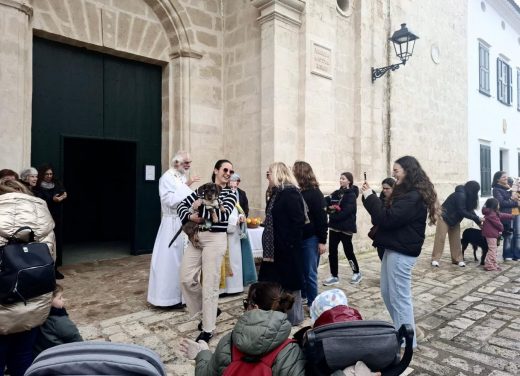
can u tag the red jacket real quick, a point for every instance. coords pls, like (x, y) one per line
(339, 313)
(492, 226)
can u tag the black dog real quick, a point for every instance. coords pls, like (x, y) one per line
(474, 237)
(209, 193)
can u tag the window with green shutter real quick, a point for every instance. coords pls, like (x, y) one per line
(485, 170)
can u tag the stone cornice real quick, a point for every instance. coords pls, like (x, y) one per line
(22, 7)
(288, 11)
(184, 53)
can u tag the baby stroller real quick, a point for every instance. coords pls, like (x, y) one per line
(97, 358)
(338, 345)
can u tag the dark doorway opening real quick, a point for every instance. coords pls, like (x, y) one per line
(99, 176)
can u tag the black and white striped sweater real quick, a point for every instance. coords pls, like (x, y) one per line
(227, 199)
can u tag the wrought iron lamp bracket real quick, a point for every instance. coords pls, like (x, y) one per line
(380, 72)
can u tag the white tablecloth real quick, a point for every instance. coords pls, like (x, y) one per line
(255, 238)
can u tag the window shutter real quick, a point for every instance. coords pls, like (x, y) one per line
(510, 84)
(498, 78)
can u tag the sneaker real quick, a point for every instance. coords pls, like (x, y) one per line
(331, 281)
(199, 327)
(435, 263)
(205, 336)
(506, 259)
(462, 264)
(356, 278)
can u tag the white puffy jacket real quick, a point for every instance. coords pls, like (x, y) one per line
(17, 210)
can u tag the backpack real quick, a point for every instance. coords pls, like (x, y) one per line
(243, 364)
(26, 269)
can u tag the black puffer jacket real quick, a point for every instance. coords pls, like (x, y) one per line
(401, 226)
(344, 220)
(454, 208)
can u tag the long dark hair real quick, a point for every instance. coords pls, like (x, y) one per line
(472, 188)
(304, 175)
(350, 178)
(416, 179)
(269, 296)
(218, 165)
(41, 174)
(496, 177)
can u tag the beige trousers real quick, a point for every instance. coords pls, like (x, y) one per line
(454, 240)
(203, 297)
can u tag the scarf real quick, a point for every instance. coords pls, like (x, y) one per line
(46, 185)
(268, 234)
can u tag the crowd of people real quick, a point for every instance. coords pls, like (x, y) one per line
(299, 223)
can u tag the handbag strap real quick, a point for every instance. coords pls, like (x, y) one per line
(14, 238)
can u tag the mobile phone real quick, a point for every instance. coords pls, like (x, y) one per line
(365, 175)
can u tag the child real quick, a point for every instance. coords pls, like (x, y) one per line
(58, 328)
(491, 230)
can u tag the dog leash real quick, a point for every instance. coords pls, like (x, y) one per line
(175, 237)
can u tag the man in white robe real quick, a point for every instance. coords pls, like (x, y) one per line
(164, 288)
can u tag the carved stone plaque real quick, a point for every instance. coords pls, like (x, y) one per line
(321, 60)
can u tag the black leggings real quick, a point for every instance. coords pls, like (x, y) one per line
(334, 239)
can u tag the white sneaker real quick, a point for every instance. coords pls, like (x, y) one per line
(462, 264)
(508, 259)
(356, 278)
(435, 263)
(331, 281)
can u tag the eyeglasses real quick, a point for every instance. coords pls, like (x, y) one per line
(268, 173)
(226, 170)
(48, 174)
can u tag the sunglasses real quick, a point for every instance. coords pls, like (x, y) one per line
(226, 170)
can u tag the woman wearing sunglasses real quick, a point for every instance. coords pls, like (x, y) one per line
(202, 297)
(262, 329)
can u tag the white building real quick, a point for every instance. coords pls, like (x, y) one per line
(493, 90)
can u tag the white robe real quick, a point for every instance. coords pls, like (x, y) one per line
(234, 284)
(164, 287)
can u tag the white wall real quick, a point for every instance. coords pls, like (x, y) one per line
(487, 116)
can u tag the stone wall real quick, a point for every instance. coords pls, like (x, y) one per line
(241, 77)
(15, 90)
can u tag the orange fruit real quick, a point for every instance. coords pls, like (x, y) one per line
(248, 221)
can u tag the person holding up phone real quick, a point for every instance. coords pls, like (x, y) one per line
(49, 189)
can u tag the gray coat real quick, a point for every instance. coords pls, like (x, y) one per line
(257, 332)
(57, 330)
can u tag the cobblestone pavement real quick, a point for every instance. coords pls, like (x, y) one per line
(470, 318)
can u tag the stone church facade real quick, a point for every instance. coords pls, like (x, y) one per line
(257, 81)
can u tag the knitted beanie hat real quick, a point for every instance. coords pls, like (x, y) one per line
(327, 300)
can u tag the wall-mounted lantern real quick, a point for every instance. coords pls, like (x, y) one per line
(404, 42)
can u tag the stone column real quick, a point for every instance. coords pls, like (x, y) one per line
(15, 83)
(280, 22)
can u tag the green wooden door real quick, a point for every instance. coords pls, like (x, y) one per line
(83, 94)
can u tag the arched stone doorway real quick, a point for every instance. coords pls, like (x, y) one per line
(146, 31)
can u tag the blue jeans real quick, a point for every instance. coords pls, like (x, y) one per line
(16, 351)
(396, 288)
(514, 249)
(311, 258)
(507, 246)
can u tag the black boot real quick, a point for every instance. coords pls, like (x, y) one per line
(58, 274)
